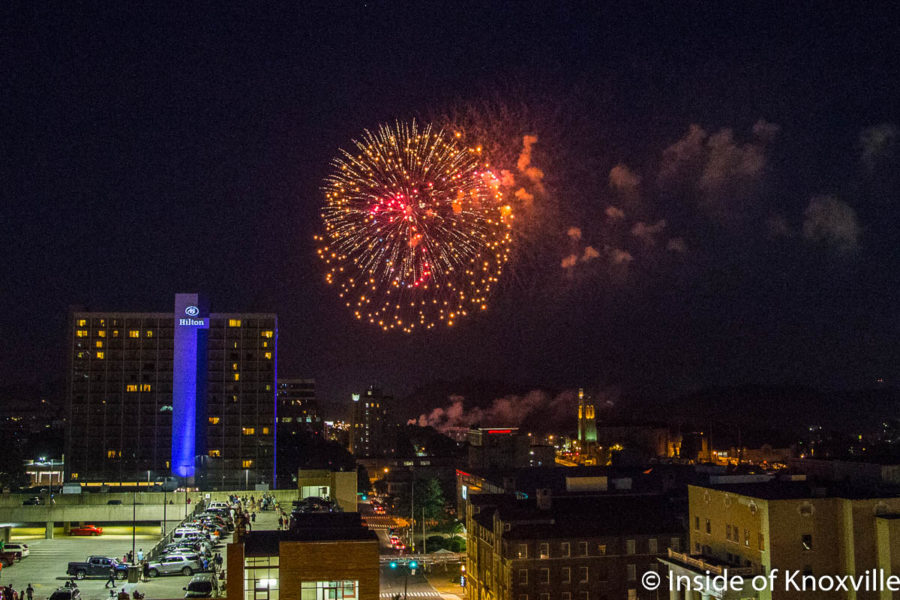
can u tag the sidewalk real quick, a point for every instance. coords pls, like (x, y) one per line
(447, 584)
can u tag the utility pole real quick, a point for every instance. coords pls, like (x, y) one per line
(412, 513)
(133, 522)
(424, 546)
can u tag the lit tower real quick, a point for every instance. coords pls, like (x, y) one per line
(587, 422)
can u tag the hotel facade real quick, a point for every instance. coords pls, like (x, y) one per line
(187, 394)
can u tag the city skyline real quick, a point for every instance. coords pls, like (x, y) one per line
(719, 188)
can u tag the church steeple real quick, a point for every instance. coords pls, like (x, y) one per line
(587, 422)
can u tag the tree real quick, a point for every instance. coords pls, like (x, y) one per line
(12, 463)
(428, 495)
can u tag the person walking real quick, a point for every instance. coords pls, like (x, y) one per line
(29, 592)
(111, 578)
(140, 555)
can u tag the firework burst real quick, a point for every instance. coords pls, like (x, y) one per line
(416, 229)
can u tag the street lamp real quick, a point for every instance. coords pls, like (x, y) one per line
(133, 522)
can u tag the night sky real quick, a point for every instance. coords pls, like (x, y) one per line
(733, 170)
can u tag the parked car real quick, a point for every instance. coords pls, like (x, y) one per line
(204, 585)
(175, 563)
(33, 501)
(8, 558)
(20, 549)
(86, 530)
(66, 593)
(96, 566)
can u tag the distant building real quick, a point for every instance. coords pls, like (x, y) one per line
(567, 548)
(753, 528)
(185, 393)
(324, 556)
(645, 439)
(587, 419)
(371, 431)
(506, 448)
(864, 472)
(298, 409)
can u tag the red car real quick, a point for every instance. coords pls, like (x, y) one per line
(86, 530)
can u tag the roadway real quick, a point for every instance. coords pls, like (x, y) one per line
(398, 580)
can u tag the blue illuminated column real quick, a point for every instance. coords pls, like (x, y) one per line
(189, 383)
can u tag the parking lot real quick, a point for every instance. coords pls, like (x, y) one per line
(45, 567)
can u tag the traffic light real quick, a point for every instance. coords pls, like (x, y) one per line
(393, 564)
(413, 564)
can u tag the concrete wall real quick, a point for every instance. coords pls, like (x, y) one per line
(102, 498)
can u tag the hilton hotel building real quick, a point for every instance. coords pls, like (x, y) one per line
(187, 394)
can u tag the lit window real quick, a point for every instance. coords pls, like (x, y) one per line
(268, 355)
(267, 334)
(247, 463)
(268, 387)
(234, 322)
(74, 475)
(265, 430)
(265, 344)
(115, 333)
(131, 387)
(81, 333)
(248, 430)
(215, 453)
(101, 333)
(237, 376)
(110, 454)
(99, 343)
(100, 355)
(234, 366)
(146, 387)
(134, 333)
(149, 333)
(82, 322)
(214, 420)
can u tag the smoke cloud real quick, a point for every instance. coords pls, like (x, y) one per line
(532, 173)
(877, 142)
(590, 253)
(646, 232)
(830, 221)
(677, 245)
(717, 164)
(614, 213)
(569, 261)
(508, 411)
(524, 196)
(623, 179)
(620, 257)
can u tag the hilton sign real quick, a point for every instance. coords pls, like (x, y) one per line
(195, 322)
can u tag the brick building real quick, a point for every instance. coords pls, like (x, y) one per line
(324, 556)
(566, 548)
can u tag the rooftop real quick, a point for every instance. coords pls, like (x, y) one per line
(573, 516)
(798, 490)
(311, 527)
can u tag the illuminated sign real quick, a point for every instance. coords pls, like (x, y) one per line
(189, 384)
(194, 322)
